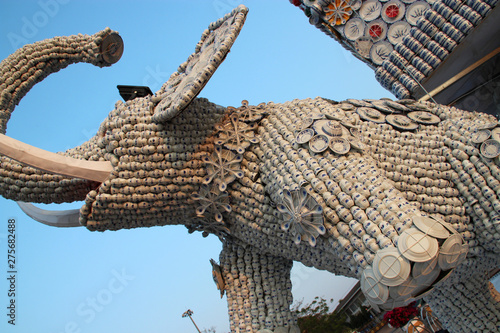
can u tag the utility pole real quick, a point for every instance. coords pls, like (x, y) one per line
(189, 313)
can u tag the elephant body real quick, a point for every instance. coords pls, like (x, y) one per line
(263, 181)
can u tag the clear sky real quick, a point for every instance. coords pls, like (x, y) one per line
(142, 280)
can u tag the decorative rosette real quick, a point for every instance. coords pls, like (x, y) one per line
(338, 12)
(223, 166)
(236, 135)
(302, 215)
(212, 200)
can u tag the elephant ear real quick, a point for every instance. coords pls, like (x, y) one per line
(192, 75)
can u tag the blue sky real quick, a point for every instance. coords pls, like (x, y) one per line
(142, 280)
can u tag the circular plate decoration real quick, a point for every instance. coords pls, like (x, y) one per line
(390, 267)
(328, 127)
(397, 31)
(337, 114)
(356, 4)
(383, 107)
(417, 246)
(356, 143)
(317, 115)
(305, 123)
(426, 280)
(450, 252)
(393, 11)
(430, 226)
(495, 133)
(372, 288)
(363, 46)
(370, 10)
(424, 117)
(396, 106)
(111, 48)
(401, 122)
(358, 103)
(319, 143)
(404, 290)
(340, 145)
(421, 269)
(376, 30)
(371, 115)
(415, 11)
(346, 106)
(490, 148)
(488, 126)
(480, 136)
(380, 51)
(191, 76)
(304, 136)
(338, 12)
(354, 29)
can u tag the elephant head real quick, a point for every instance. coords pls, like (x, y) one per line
(363, 188)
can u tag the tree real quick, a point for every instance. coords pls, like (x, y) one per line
(316, 318)
(361, 319)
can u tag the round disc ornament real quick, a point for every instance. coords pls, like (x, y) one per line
(111, 48)
(371, 115)
(393, 11)
(481, 136)
(390, 267)
(304, 136)
(495, 133)
(372, 288)
(340, 145)
(370, 10)
(488, 126)
(380, 51)
(363, 46)
(397, 31)
(396, 106)
(424, 117)
(415, 11)
(191, 76)
(319, 143)
(417, 246)
(401, 122)
(450, 252)
(430, 226)
(354, 29)
(377, 30)
(490, 148)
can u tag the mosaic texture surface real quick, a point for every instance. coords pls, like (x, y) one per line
(402, 195)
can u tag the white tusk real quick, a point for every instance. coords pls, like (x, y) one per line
(54, 163)
(54, 218)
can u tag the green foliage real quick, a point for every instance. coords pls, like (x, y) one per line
(316, 318)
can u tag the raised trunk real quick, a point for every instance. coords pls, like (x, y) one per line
(18, 74)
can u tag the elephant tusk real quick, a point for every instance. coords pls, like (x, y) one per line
(54, 163)
(54, 218)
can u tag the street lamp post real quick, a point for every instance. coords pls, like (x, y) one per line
(189, 313)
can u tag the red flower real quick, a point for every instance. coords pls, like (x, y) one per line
(398, 317)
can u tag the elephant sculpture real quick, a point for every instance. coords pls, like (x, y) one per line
(402, 195)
